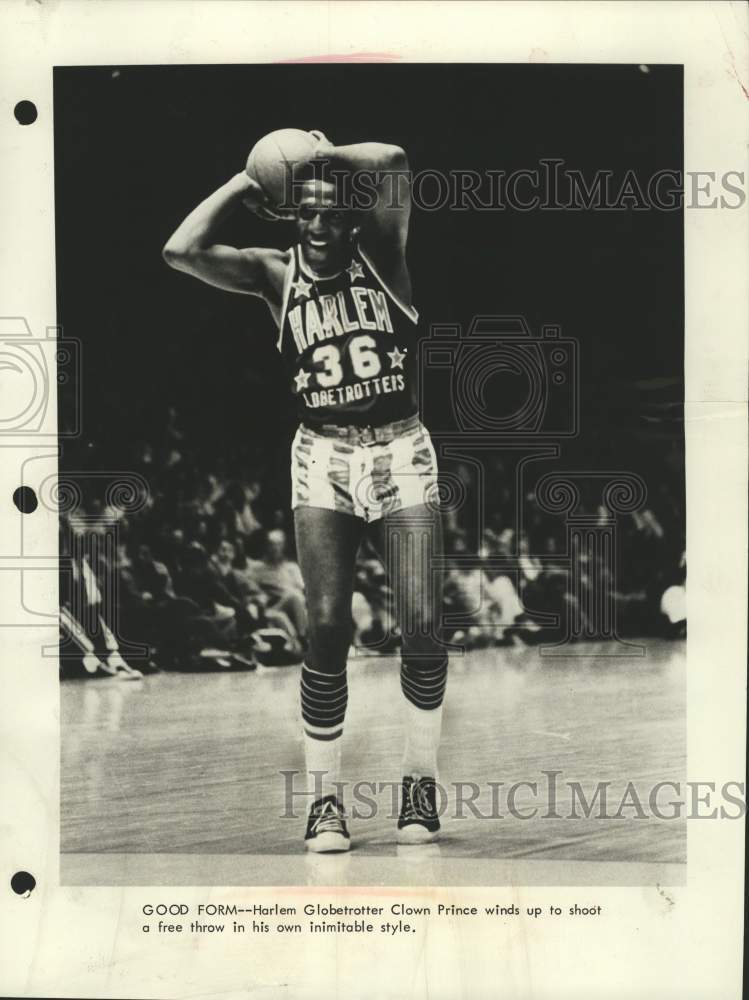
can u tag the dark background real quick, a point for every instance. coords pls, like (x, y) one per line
(136, 148)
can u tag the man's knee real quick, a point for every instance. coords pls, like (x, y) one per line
(423, 641)
(329, 643)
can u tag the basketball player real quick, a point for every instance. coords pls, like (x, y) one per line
(347, 331)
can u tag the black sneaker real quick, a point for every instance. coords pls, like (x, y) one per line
(418, 822)
(326, 827)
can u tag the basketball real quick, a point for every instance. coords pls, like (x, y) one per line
(273, 158)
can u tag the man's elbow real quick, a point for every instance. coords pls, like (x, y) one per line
(395, 158)
(176, 255)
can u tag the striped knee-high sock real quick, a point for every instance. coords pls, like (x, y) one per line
(324, 699)
(423, 684)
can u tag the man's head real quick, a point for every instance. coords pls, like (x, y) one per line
(275, 546)
(225, 553)
(326, 228)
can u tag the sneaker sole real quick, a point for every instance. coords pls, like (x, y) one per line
(415, 833)
(328, 843)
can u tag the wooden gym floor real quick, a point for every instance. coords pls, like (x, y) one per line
(175, 779)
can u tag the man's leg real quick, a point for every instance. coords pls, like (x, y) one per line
(410, 540)
(327, 544)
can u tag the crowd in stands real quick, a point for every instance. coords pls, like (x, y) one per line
(202, 573)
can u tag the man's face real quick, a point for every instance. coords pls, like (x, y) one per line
(324, 228)
(226, 553)
(275, 546)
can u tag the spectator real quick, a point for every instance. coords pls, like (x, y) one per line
(276, 574)
(673, 602)
(281, 581)
(240, 499)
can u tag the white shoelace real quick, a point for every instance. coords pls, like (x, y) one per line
(418, 801)
(330, 820)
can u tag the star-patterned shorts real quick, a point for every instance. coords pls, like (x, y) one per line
(365, 480)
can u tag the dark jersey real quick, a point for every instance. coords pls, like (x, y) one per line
(349, 344)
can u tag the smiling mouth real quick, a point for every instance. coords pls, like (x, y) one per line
(317, 244)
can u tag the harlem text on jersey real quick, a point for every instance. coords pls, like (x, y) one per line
(348, 343)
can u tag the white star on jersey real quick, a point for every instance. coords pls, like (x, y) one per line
(355, 271)
(301, 379)
(301, 288)
(396, 357)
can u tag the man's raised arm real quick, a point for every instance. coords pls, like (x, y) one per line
(192, 247)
